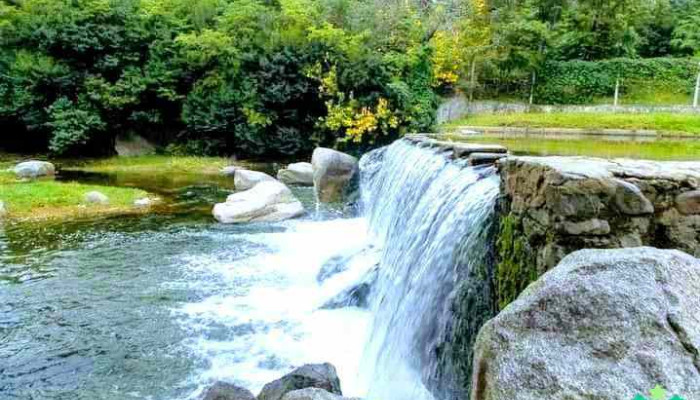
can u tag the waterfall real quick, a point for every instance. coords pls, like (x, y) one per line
(432, 217)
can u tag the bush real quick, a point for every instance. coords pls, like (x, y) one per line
(580, 82)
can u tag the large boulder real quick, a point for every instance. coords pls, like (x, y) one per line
(603, 324)
(227, 391)
(321, 376)
(301, 173)
(334, 174)
(244, 179)
(268, 201)
(313, 394)
(34, 169)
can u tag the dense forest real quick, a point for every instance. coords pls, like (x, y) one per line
(277, 77)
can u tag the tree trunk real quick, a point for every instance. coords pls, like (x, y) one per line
(696, 99)
(617, 92)
(472, 78)
(532, 87)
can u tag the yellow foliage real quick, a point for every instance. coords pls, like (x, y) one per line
(358, 122)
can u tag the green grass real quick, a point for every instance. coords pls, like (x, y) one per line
(49, 199)
(154, 164)
(662, 149)
(663, 122)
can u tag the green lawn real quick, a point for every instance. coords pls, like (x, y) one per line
(663, 122)
(154, 164)
(49, 199)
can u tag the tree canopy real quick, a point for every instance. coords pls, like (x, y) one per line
(277, 77)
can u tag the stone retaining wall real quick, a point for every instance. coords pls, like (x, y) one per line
(553, 206)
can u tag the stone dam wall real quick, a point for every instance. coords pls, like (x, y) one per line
(553, 206)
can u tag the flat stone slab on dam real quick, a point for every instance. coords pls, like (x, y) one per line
(476, 153)
(588, 167)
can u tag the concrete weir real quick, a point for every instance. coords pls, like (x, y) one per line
(475, 153)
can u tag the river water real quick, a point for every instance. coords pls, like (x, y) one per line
(158, 307)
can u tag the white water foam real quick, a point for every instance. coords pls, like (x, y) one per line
(270, 301)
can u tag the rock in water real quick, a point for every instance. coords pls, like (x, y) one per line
(244, 179)
(34, 169)
(229, 171)
(321, 376)
(334, 173)
(227, 391)
(96, 198)
(603, 324)
(297, 174)
(312, 394)
(266, 202)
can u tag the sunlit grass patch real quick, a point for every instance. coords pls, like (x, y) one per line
(155, 164)
(663, 122)
(49, 199)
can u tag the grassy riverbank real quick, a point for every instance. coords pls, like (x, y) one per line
(48, 199)
(154, 165)
(662, 122)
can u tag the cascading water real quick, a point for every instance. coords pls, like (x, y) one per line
(160, 307)
(432, 217)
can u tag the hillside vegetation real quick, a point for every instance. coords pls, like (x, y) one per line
(278, 77)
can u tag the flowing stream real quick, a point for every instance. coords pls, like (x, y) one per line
(159, 307)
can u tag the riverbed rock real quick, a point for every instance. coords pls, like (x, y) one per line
(227, 391)
(133, 145)
(603, 324)
(334, 174)
(268, 201)
(313, 394)
(244, 179)
(357, 294)
(321, 376)
(146, 201)
(301, 173)
(34, 169)
(229, 170)
(96, 197)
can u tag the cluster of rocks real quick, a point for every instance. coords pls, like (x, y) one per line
(262, 198)
(309, 382)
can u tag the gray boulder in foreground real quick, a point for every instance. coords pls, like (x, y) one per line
(320, 376)
(227, 391)
(333, 174)
(301, 173)
(268, 201)
(313, 394)
(34, 169)
(244, 179)
(603, 324)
